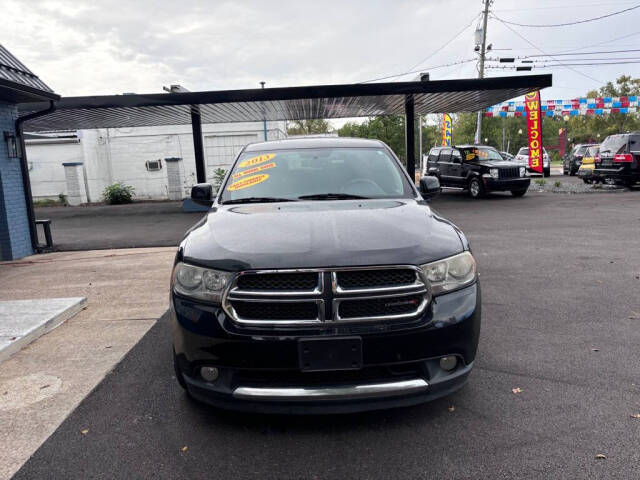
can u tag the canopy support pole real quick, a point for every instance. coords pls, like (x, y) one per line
(198, 148)
(410, 136)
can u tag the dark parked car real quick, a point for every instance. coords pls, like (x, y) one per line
(572, 161)
(322, 281)
(477, 169)
(619, 159)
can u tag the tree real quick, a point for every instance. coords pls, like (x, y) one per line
(308, 127)
(390, 129)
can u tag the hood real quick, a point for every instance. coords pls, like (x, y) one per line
(495, 163)
(320, 234)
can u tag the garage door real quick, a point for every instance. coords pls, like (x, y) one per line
(221, 150)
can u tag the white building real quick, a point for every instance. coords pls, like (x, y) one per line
(135, 156)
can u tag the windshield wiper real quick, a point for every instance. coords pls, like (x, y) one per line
(258, 200)
(331, 196)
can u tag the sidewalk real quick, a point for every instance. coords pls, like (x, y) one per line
(127, 290)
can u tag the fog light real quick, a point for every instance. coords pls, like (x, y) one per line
(448, 363)
(210, 374)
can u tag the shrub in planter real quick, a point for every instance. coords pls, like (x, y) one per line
(118, 193)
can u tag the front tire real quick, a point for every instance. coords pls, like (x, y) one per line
(546, 172)
(476, 188)
(518, 193)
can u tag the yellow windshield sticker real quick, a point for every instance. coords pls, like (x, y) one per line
(470, 156)
(248, 182)
(253, 170)
(250, 162)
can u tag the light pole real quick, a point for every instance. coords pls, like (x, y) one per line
(264, 116)
(483, 51)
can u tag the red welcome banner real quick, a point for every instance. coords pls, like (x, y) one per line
(534, 130)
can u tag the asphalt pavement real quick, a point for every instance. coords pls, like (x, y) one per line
(135, 225)
(561, 326)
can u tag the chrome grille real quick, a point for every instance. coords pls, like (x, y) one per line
(276, 310)
(391, 277)
(326, 296)
(277, 282)
(375, 307)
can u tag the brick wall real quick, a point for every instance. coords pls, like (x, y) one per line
(15, 239)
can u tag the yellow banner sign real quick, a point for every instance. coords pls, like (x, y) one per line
(250, 162)
(253, 170)
(447, 128)
(248, 182)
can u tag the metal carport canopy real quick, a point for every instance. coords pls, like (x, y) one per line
(288, 103)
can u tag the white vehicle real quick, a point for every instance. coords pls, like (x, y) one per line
(522, 159)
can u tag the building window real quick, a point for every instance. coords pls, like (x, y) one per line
(154, 165)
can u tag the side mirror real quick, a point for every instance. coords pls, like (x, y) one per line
(429, 187)
(202, 194)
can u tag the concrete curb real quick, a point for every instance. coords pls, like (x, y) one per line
(61, 311)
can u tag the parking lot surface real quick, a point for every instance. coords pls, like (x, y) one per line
(97, 227)
(561, 328)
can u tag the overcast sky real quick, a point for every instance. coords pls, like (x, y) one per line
(116, 46)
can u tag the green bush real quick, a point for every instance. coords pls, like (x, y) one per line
(557, 184)
(540, 181)
(118, 193)
(218, 177)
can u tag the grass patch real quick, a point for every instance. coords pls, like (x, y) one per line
(540, 181)
(46, 202)
(557, 184)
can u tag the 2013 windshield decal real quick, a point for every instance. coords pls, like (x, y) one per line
(250, 162)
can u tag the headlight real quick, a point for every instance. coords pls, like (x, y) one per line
(523, 171)
(493, 172)
(200, 283)
(451, 273)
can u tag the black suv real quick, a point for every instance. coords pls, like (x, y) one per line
(321, 281)
(476, 168)
(572, 161)
(619, 159)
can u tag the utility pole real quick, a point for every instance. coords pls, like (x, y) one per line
(264, 121)
(483, 50)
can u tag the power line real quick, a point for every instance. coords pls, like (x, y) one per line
(507, 67)
(570, 23)
(413, 69)
(420, 70)
(555, 7)
(446, 43)
(542, 51)
(582, 53)
(606, 41)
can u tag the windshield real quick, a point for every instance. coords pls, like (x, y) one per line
(580, 150)
(592, 151)
(614, 144)
(523, 151)
(480, 153)
(339, 172)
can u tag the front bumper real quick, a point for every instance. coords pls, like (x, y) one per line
(502, 185)
(585, 172)
(260, 371)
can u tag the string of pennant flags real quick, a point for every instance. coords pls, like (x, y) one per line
(574, 107)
